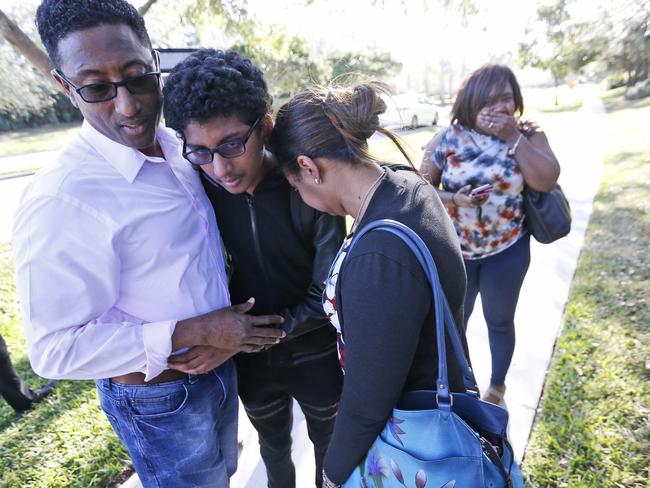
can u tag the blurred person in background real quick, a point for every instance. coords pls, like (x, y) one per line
(480, 164)
(12, 387)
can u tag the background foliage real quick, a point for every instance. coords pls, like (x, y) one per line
(27, 98)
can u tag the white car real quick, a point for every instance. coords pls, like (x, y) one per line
(408, 110)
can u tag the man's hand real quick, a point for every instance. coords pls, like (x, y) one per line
(229, 328)
(232, 328)
(200, 359)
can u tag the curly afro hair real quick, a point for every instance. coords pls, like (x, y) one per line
(213, 83)
(56, 19)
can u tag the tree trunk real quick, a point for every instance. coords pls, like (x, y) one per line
(34, 54)
(145, 8)
(18, 39)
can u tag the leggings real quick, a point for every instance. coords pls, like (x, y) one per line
(498, 279)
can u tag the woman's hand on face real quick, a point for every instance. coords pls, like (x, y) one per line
(498, 124)
(462, 198)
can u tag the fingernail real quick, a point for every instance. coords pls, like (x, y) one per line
(277, 340)
(284, 334)
(251, 300)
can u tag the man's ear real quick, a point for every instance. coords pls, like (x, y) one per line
(64, 86)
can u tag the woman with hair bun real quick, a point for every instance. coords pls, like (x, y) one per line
(380, 293)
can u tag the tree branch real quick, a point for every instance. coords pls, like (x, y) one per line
(19, 40)
(145, 8)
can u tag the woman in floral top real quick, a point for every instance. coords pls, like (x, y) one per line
(487, 144)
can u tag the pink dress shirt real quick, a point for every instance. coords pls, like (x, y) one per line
(111, 249)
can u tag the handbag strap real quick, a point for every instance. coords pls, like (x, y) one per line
(443, 316)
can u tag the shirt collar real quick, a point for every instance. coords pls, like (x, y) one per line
(126, 160)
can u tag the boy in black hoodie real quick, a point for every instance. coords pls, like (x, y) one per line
(280, 248)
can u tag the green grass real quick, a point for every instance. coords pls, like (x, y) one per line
(412, 142)
(543, 100)
(46, 138)
(593, 429)
(562, 107)
(615, 101)
(63, 441)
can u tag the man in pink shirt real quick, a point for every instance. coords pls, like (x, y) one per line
(119, 262)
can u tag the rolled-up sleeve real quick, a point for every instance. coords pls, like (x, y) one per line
(434, 151)
(68, 279)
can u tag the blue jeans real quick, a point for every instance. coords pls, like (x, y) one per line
(179, 433)
(498, 279)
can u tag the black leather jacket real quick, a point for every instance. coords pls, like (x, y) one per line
(280, 252)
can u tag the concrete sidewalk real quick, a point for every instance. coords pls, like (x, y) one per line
(546, 287)
(539, 313)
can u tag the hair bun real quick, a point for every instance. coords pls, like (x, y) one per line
(355, 111)
(333, 123)
(368, 105)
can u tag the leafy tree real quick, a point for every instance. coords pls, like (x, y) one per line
(28, 94)
(28, 97)
(287, 65)
(617, 37)
(22, 42)
(15, 36)
(560, 45)
(226, 24)
(466, 8)
(629, 50)
(370, 65)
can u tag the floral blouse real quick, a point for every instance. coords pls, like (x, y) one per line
(329, 298)
(467, 157)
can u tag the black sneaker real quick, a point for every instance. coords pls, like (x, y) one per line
(43, 392)
(36, 396)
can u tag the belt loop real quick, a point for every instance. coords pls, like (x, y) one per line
(110, 383)
(192, 378)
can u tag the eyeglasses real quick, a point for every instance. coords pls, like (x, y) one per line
(107, 90)
(231, 149)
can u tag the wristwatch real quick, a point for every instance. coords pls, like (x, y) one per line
(513, 149)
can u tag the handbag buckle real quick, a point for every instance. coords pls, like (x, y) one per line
(451, 400)
(472, 391)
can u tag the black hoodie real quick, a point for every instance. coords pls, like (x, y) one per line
(280, 251)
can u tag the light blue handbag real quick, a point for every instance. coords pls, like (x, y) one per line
(437, 438)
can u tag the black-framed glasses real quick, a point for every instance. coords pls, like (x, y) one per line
(230, 149)
(107, 90)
